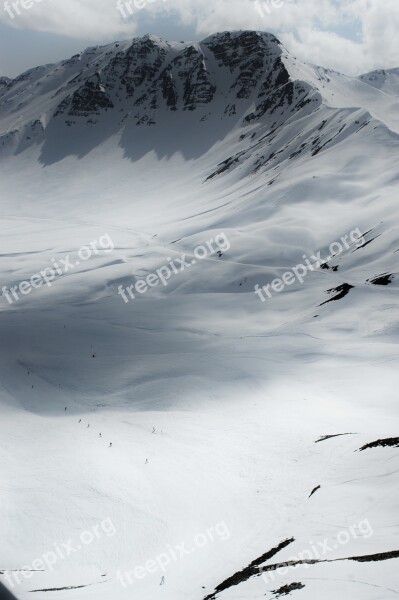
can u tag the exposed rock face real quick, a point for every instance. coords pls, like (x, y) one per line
(248, 55)
(233, 80)
(89, 99)
(4, 82)
(226, 74)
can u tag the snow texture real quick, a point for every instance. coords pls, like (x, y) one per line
(163, 146)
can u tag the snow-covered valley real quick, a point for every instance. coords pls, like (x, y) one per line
(213, 400)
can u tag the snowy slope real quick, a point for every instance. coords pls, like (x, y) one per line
(164, 146)
(387, 81)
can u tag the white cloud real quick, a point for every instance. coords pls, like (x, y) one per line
(312, 29)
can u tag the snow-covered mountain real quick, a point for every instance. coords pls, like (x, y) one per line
(142, 83)
(387, 81)
(211, 398)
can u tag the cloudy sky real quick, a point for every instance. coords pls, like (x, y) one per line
(353, 36)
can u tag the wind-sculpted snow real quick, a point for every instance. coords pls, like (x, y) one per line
(196, 404)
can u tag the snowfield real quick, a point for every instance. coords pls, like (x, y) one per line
(219, 407)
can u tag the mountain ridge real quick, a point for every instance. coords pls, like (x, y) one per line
(244, 81)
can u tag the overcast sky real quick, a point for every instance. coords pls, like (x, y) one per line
(352, 36)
